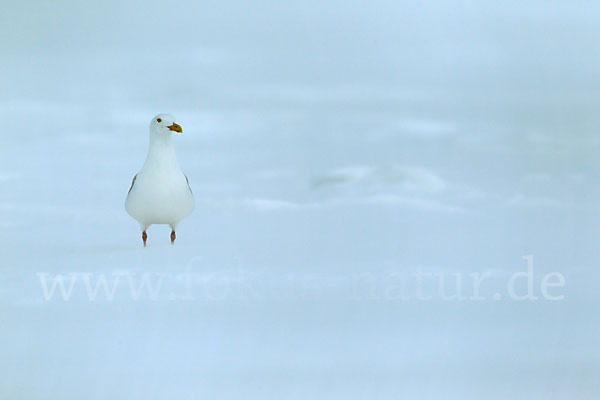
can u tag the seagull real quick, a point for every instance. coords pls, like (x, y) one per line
(160, 193)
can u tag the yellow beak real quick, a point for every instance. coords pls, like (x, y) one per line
(175, 127)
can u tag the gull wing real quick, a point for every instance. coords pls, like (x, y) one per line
(133, 183)
(186, 179)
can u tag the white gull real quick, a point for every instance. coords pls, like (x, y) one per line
(160, 192)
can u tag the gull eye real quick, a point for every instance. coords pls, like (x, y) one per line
(158, 120)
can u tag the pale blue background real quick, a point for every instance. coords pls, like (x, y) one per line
(324, 140)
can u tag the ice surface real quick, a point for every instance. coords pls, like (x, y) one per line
(334, 149)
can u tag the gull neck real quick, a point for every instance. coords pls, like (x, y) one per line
(161, 152)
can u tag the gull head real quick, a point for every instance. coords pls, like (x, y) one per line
(164, 124)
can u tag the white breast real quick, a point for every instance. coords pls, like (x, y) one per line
(160, 198)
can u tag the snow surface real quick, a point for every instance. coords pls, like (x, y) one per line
(332, 147)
